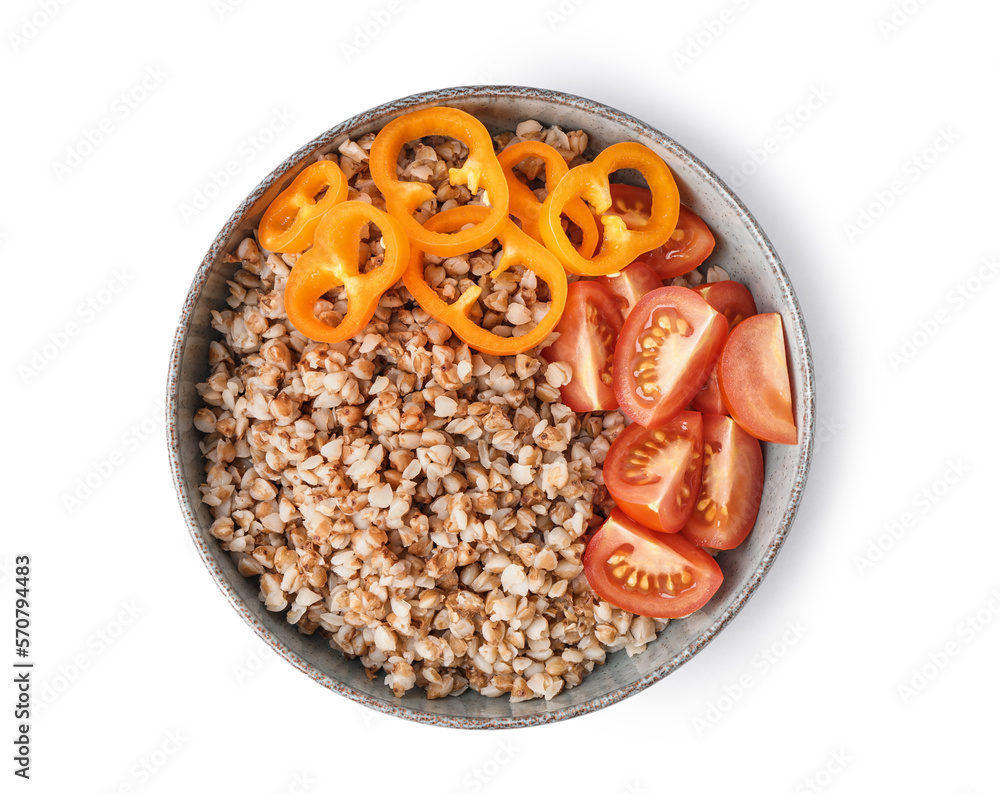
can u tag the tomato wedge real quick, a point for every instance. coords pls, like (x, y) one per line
(735, 303)
(654, 476)
(708, 400)
(731, 486)
(649, 573)
(689, 245)
(667, 349)
(630, 284)
(729, 298)
(589, 326)
(753, 379)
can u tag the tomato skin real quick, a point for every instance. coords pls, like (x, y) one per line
(708, 400)
(631, 284)
(754, 381)
(665, 353)
(693, 244)
(732, 485)
(588, 328)
(734, 302)
(654, 476)
(690, 245)
(661, 562)
(731, 299)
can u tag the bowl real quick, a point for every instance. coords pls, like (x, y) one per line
(743, 250)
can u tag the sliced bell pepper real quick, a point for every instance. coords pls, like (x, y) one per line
(518, 248)
(481, 168)
(526, 207)
(289, 223)
(333, 261)
(589, 181)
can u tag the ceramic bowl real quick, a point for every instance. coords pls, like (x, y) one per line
(742, 249)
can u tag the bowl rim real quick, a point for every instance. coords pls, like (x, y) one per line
(796, 335)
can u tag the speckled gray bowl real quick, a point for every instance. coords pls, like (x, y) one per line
(742, 249)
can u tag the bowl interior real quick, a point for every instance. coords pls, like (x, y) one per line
(742, 249)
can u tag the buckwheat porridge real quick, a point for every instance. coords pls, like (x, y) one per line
(419, 504)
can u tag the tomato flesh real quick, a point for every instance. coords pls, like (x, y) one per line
(629, 285)
(729, 298)
(689, 245)
(731, 486)
(654, 476)
(754, 382)
(708, 400)
(667, 349)
(734, 302)
(588, 330)
(649, 573)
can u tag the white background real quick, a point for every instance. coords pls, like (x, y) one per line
(147, 680)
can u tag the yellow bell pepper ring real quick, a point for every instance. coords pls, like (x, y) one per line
(526, 207)
(518, 248)
(333, 261)
(590, 182)
(289, 223)
(481, 169)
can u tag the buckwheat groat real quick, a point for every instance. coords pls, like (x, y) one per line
(419, 504)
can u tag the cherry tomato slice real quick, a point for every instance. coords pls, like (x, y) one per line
(589, 326)
(735, 303)
(753, 379)
(689, 245)
(731, 486)
(649, 573)
(667, 349)
(630, 284)
(654, 476)
(729, 298)
(708, 400)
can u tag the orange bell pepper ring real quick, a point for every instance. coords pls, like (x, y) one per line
(481, 168)
(289, 223)
(526, 207)
(333, 261)
(518, 248)
(621, 245)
